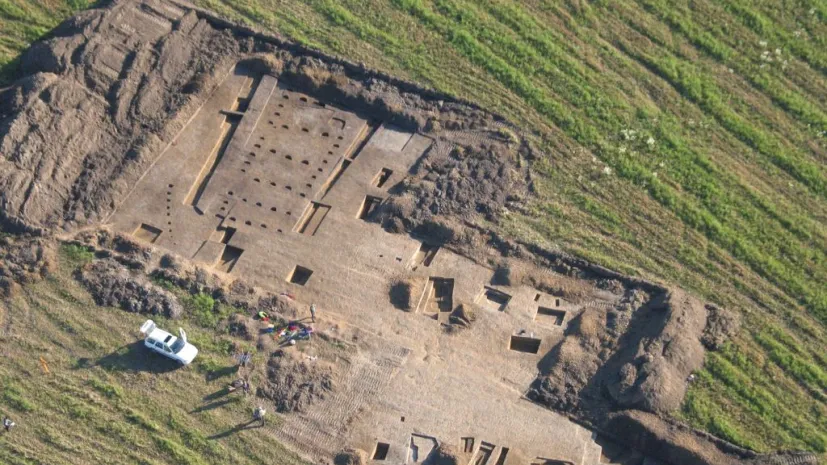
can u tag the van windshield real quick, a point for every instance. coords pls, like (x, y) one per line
(177, 345)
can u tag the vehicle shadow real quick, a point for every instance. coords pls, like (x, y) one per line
(136, 357)
(239, 427)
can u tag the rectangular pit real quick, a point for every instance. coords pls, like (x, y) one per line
(222, 235)
(209, 253)
(484, 454)
(312, 219)
(424, 256)
(526, 344)
(467, 444)
(420, 448)
(493, 299)
(551, 315)
(382, 177)
(437, 297)
(442, 294)
(229, 258)
(381, 451)
(300, 275)
(147, 233)
(503, 456)
(368, 206)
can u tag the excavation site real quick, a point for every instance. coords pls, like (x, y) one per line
(181, 148)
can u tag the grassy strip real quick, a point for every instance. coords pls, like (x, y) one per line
(688, 81)
(626, 165)
(791, 101)
(764, 405)
(747, 13)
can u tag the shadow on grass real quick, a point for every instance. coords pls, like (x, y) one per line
(215, 405)
(213, 375)
(217, 394)
(134, 357)
(240, 427)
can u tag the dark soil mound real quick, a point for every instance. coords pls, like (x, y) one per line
(294, 382)
(351, 457)
(457, 181)
(113, 285)
(23, 260)
(404, 291)
(447, 454)
(242, 326)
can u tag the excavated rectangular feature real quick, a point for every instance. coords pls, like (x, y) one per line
(263, 178)
(525, 344)
(147, 233)
(552, 315)
(483, 454)
(300, 275)
(381, 451)
(494, 299)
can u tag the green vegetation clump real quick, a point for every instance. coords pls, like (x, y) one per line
(77, 255)
(204, 310)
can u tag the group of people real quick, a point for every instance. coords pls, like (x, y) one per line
(259, 411)
(240, 383)
(290, 332)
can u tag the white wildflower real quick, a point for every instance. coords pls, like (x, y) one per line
(661, 165)
(812, 11)
(778, 51)
(628, 134)
(650, 141)
(731, 70)
(622, 149)
(655, 174)
(797, 33)
(763, 43)
(607, 171)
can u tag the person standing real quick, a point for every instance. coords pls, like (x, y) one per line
(313, 313)
(8, 424)
(244, 359)
(258, 415)
(246, 387)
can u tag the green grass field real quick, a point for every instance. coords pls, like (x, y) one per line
(685, 140)
(105, 400)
